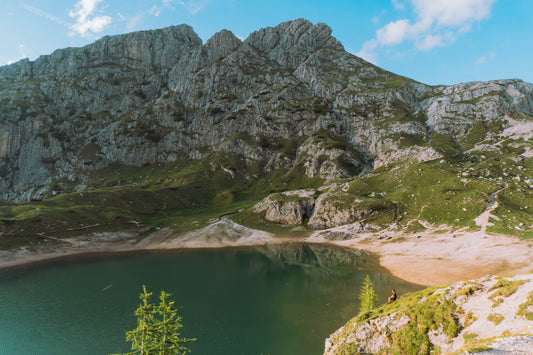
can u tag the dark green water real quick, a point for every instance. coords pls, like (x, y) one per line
(267, 300)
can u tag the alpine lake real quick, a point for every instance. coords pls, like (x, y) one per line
(274, 299)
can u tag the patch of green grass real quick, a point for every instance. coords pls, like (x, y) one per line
(495, 318)
(397, 240)
(503, 289)
(430, 191)
(469, 319)
(182, 195)
(469, 336)
(469, 290)
(12, 241)
(526, 308)
(475, 345)
(426, 310)
(120, 194)
(445, 144)
(385, 81)
(514, 211)
(224, 198)
(414, 227)
(496, 126)
(425, 316)
(185, 220)
(476, 134)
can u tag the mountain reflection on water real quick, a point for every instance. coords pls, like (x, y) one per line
(277, 299)
(317, 258)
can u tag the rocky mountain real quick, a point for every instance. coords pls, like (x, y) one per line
(158, 121)
(488, 316)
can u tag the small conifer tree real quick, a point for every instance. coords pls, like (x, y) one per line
(367, 296)
(169, 327)
(141, 338)
(158, 328)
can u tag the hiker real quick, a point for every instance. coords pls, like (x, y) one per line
(393, 297)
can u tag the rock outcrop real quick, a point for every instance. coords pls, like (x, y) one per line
(334, 207)
(288, 99)
(465, 316)
(290, 208)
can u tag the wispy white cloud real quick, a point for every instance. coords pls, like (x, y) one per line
(429, 41)
(155, 11)
(23, 54)
(398, 4)
(484, 59)
(368, 51)
(87, 23)
(193, 6)
(436, 23)
(46, 15)
(451, 12)
(393, 32)
(132, 22)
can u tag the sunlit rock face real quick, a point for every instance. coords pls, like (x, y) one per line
(286, 98)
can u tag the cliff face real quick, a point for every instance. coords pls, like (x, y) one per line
(66, 111)
(286, 98)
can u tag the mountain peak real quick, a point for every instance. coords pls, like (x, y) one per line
(290, 42)
(159, 48)
(223, 43)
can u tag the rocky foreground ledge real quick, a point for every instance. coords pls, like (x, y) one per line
(491, 315)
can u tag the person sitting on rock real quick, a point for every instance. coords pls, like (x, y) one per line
(393, 297)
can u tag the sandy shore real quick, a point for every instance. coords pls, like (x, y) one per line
(432, 259)
(427, 258)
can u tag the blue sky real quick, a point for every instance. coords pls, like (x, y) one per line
(432, 41)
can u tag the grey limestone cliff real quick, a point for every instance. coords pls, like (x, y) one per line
(288, 98)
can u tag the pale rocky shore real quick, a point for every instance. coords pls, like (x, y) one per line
(222, 233)
(435, 257)
(428, 258)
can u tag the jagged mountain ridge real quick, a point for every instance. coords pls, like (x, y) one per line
(156, 96)
(161, 117)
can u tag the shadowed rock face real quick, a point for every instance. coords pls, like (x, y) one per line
(163, 96)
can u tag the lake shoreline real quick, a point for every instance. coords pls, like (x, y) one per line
(426, 258)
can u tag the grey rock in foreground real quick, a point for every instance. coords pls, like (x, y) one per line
(515, 345)
(482, 309)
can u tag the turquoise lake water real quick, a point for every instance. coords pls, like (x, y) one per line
(261, 300)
